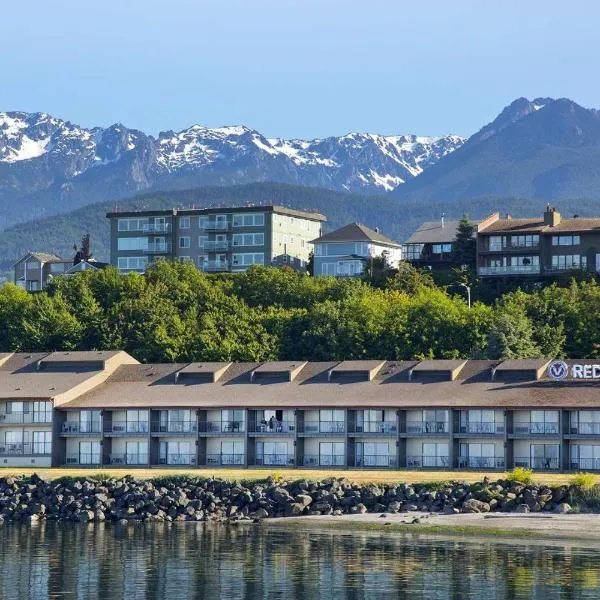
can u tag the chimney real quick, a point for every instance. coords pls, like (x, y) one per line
(376, 229)
(508, 216)
(443, 215)
(551, 216)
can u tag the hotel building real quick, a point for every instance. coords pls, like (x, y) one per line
(214, 239)
(106, 409)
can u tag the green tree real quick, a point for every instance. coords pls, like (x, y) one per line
(511, 336)
(464, 251)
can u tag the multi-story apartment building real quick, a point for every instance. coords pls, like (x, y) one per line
(534, 248)
(36, 270)
(214, 239)
(346, 252)
(104, 408)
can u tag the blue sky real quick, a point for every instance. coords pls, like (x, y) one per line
(295, 68)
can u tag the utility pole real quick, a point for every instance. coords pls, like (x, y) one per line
(468, 288)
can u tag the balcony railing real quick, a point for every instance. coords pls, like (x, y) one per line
(418, 462)
(585, 429)
(377, 427)
(565, 268)
(178, 459)
(426, 427)
(127, 428)
(481, 462)
(77, 428)
(269, 426)
(158, 248)
(512, 245)
(322, 427)
(536, 428)
(17, 418)
(84, 459)
(482, 427)
(225, 459)
(585, 464)
(510, 270)
(128, 459)
(543, 463)
(215, 225)
(323, 460)
(214, 265)
(281, 460)
(157, 228)
(221, 426)
(216, 246)
(175, 427)
(379, 460)
(25, 449)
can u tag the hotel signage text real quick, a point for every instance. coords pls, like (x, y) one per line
(559, 369)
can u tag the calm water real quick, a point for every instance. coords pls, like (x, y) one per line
(193, 561)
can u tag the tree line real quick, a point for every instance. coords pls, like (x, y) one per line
(174, 312)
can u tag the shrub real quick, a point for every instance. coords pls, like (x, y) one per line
(585, 481)
(520, 474)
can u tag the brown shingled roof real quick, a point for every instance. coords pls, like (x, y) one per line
(355, 232)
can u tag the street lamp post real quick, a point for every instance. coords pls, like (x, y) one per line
(468, 288)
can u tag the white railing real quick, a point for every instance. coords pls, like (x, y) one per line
(510, 270)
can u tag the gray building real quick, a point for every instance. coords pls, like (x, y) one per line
(214, 239)
(346, 251)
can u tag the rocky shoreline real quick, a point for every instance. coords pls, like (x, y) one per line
(89, 499)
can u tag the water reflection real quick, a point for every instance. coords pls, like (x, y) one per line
(196, 561)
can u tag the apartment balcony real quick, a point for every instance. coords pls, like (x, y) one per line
(511, 246)
(178, 460)
(158, 249)
(128, 459)
(482, 428)
(214, 265)
(541, 463)
(84, 460)
(481, 462)
(26, 418)
(156, 228)
(520, 429)
(216, 246)
(323, 460)
(273, 427)
(585, 429)
(275, 460)
(77, 429)
(318, 427)
(375, 428)
(565, 269)
(26, 449)
(585, 464)
(427, 462)
(375, 462)
(509, 270)
(127, 428)
(175, 428)
(225, 460)
(219, 427)
(215, 226)
(427, 427)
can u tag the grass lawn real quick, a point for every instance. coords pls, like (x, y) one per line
(250, 474)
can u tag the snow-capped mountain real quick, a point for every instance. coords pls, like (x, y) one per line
(48, 165)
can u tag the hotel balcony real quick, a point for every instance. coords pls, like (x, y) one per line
(275, 460)
(128, 459)
(215, 226)
(217, 427)
(178, 460)
(585, 429)
(176, 428)
(156, 228)
(375, 461)
(77, 429)
(85, 460)
(323, 460)
(271, 428)
(25, 418)
(481, 462)
(534, 428)
(510, 270)
(225, 460)
(375, 428)
(426, 427)
(585, 464)
(26, 449)
(481, 428)
(158, 248)
(317, 427)
(214, 265)
(127, 428)
(427, 462)
(541, 463)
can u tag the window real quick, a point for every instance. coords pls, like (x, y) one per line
(543, 421)
(89, 453)
(524, 261)
(319, 250)
(57, 268)
(372, 454)
(89, 421)
(331, 454)
(247, 259)
(585, 457)
(232, 453)
(248, 239)
(331, 421)
(132, 263)
(413, 251)
(566, 240)
(185, 222)
(272, 453)
(569, 261)
(133, 243)
(435, 455)
(42, 442)
(481, 421)
(137, 421)
(441, 248)
(249, 220)
(136, 453)
(176, 453)
(135, 224)
(184, 242)
(42, 411)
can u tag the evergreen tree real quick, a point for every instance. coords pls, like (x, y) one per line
(465, 252)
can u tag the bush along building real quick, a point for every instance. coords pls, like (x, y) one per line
(215, 239)
(347, 252)
(105, 408)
